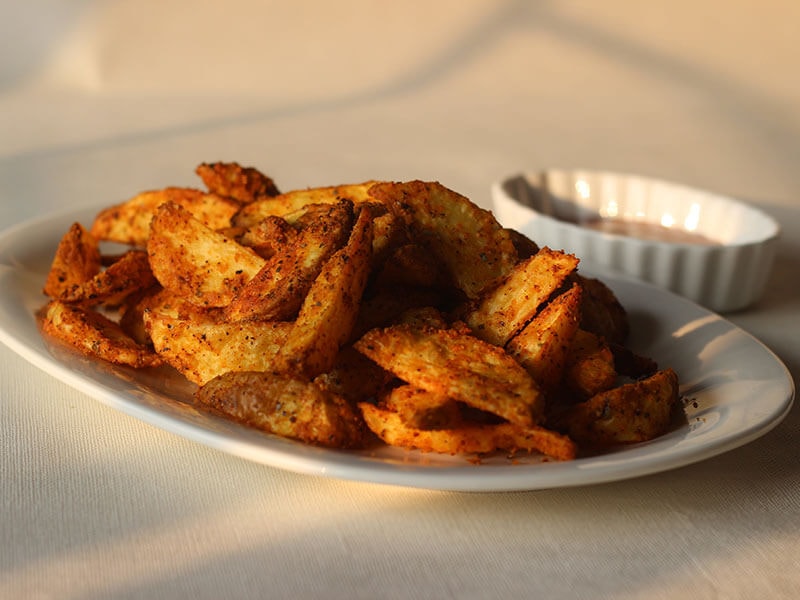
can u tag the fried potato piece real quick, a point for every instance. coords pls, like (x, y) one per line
(230, 179)
(285, 406)
(278, 290)
(202, 346)
(633, 412)
(422, 409)
(467, 439)
(460, 366)
(410, 264)
(296, 200)
(269, 237)
(503, 311)
(95, 335)
(76, 261)
(590, 366)
(601, 311)
(354, 376)
(129, 222)
(467, 240)
(543, 345)
(196, 262)
(330, 309)
(128, 275)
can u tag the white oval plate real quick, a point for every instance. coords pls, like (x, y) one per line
(735, 390)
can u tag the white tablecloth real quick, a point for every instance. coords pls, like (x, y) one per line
(99, 100)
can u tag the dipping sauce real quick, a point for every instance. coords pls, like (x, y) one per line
(648, 231)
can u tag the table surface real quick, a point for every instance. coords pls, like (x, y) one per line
(100, 100)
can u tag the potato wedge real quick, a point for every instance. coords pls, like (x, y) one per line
(230, 179)
(422, 409)
(466, 239)
(285, 406)
(76, 261)
(330, 309)
(590, 365)
(467, 439)
(278, 290)
(543, 345)
(503, 311)
(127, 275)
(129, 222)
(95, 335)
(202, 346)
(196, 262)
(633, 412)
(290, 202)
(459, 366)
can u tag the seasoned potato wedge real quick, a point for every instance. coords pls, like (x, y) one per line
(467, 439)
(243, 184)
(285, 406)
(590, 365)
(293, 201)
(95, 335)
(76, 261)
(507, 308)
(466, 239)
(634, 412)
(330, 309)
(543, 345)
(201, 346)
(277, 291)
(129, 222)
(423, 409)
(191, 259)
(459, 366)
(127, 275)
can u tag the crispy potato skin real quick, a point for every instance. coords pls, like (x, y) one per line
(201, 264)
(634, 412)
(95, 335)
(467, 439)
(285, 406)
(278, 290)
(129, 222)
(329, 312)
(459, 366)
(243, 184)
(466, 239)
(76, 261)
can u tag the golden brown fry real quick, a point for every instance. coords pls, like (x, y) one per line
(203, 265)
(290, 202)
(243, 184)
(460, 366)
(269, 237)
(128, 275)
(278, 290)
(76, 261)
(590, 365)
(466, 239)
(129, 222)
(285, 406)
(634, 412)
(95, 335)
(503, 311)
(467, 439)
(422, 409)
(542, 347)
(330, 309)
(601, 311)
(202, 346)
